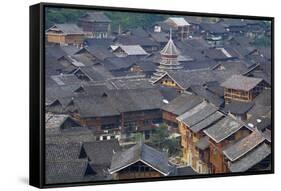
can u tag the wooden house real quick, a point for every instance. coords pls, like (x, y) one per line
(169, 60)
(194, 28)
(181, 26)
(242, 88)
(65, 34)
(236, 27)
(250, 154)
(147, 43)
(60, 121)
(81, 161)
(95, 24)
(144, 67)
(159, 37)
(194, 142)
(222, 134)
(255, 28)
(238, 109)
(184, 79)
(122, 111)
(168, 80)
(177, 107)
(214, 33)
(139, 161)
(128, 50)
(178, 24)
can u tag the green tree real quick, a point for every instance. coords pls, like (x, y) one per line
(159, 136)
(137, 137)
(161, 140)
(124, 19)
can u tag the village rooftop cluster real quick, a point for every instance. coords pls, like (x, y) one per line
(202, 81)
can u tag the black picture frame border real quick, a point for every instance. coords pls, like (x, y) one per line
(37, 93)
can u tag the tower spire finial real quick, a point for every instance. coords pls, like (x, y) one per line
(170, 33)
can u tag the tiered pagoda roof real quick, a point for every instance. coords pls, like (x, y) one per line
(169, 55)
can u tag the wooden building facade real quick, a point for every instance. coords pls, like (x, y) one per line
(195, 144)
(178, 106)
(242, 88)
(95, 24)
(180, 25)
(140, 161)
(137, 170)
(65, 34)
(222, 134)
(252, 153)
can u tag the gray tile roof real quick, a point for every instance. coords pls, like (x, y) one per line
(98, 42)
(120, 63)
(179, 21)
(187, 78)
(223, 129)
(213, 28)
(217, 54)
(62, 152)
(96, 73)
(159, 37)
(239, 149)
(185, 171)
(97, 107)
(137, 99)
(54, 120)
(130, 82)
(99, 52)
(69, 135)
(239, 82)
(264, 98)
(65, 79)
(95, 17)
(236, 107)
(199, 64)
(207, 122)
(113, 102)
(207, 95)
(144, 153)
(146, 66)
(100, 152)
(136, 40)
(182, 103)
(200, 115)
(251, 159)
(139, 31)
(70, 49)
(170, 49)
(56, 92)
(168, 93)
(233, 23)
(132, 50)
(66, 28)
(68, 172)
(55, 52)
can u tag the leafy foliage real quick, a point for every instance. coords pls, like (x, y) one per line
(124, 19)
(130, 20)
(262, 41)
(161, 139)
(62, 15)
(137, 137)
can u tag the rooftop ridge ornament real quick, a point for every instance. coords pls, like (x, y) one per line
(170, 33)
(170, 49)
